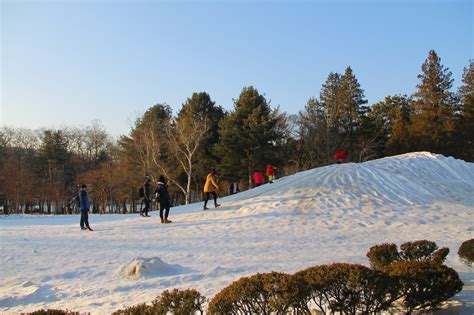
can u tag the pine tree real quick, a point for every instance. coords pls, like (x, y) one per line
(466, 125)
(247, 135)
(433, 122)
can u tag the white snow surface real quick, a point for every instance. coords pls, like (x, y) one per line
(324, 215)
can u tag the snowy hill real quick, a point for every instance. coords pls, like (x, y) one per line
(328, 214)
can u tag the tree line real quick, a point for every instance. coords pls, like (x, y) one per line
(40, 169)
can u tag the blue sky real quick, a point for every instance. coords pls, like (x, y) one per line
(67, 63)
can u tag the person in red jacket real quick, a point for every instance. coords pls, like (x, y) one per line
(340, 156)
(270, 172)
(257, 178)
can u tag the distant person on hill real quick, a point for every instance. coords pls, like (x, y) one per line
(84, 205)
(340, 156)
(257, 178)
(270, 172)
(146, 196)
(234, 188)
(163, 197)
(211, 187)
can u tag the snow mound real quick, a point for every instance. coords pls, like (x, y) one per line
(149, 267)
(413, 179)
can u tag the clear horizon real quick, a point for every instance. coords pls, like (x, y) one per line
(69, 63)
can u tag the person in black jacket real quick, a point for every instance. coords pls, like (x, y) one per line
(163, 197)
(146, 196)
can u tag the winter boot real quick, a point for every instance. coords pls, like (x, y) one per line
(162, 220)
(168, 221)
(217, 205)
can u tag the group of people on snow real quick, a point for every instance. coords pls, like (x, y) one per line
(211, 188)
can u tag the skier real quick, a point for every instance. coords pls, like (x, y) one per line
(163, 197)
(146, 196)
(270, 172)
(257, 178)
(84, 205)
(211, 187)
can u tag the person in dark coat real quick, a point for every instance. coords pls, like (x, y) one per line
(234, 188)
(163, 197)
(84, 205)
(146, 197)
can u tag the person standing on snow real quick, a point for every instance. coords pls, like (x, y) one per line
(257, 178)
(146, 196)
(234, 188)
(270, 172)
(211, 187)
(163, 197)
(84, 205)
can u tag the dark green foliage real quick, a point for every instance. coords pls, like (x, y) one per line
(466, 250)
(434, 120)
(381, 256)
(248, 135)
(179, 302)
(268, 293)
(139, 309)
(53, 312)
(465, 132)
(425, 284)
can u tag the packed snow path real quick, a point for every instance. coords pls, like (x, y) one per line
(327, 214)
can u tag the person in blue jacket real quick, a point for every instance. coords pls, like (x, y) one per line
(84, 204)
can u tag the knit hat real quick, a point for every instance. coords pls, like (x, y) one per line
(162, 179)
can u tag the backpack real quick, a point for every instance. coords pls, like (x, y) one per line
(141, 192)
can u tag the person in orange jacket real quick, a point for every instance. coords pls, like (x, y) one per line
(211, 187)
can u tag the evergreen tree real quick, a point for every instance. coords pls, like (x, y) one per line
(248, 135)
(433, 122)
(466, 126)
(392, 121)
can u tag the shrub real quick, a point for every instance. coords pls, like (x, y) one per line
(53, 312)
(423, 250)
(425, 284)
(466, 250)
(179, 302)
(139, 309)
(381, 256)
(265, 293)
(348, 288)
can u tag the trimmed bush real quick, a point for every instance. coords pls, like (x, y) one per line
(178, 302)
(53, 312)
(347, 288)
(423, 250)
(466, 250)
(382, 256)
(138, 309)
(425, 284)
(267, 293)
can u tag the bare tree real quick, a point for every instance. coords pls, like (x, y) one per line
(185, 136)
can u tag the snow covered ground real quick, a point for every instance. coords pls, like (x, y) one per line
(328, 214)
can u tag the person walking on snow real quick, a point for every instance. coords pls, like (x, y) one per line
(84, 205)
(257, 178)
(146, 196)
(163, 197)
(270, 172)
(211, 187)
